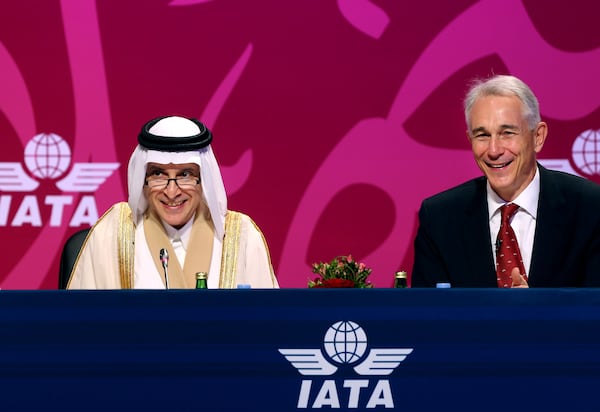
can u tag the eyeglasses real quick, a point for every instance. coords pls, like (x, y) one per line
(161, 183)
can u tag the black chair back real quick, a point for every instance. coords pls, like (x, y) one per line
(69, 255)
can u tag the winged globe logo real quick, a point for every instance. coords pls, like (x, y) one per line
(345, 343)
(47, 156)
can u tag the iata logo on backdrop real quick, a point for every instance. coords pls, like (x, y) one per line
(585, 156)
(586, 152)
(345, 345)
(48, 157)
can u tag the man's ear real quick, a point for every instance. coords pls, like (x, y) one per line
(539, 135)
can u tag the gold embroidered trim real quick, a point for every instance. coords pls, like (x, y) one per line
(126, 245)
(230, 249)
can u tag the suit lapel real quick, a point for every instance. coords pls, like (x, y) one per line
(476, 237)
(549, 237)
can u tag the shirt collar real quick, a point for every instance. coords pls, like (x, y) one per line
(527, 199)
(183, 233)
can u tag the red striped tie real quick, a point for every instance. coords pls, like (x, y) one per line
(508, 255)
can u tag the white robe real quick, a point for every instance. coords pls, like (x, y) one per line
(97, 266)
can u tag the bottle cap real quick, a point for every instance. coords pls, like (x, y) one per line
(401, 274)
(201, 275)
(443, 285)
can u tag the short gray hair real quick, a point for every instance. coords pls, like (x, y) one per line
(504, 85)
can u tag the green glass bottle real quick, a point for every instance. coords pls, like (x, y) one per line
(201, 280)
(400, 280)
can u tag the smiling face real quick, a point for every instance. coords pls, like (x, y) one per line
(503, 144)
(175, 204)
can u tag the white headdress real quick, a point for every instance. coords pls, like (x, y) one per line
(177, 140)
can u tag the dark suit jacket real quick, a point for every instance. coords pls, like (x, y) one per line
(453, 239)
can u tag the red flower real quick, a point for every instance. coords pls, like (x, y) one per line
(341, 272)
(334, 283)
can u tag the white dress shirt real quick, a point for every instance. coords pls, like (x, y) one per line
(523, 221)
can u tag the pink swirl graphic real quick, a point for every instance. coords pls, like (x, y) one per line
(395, 157)
(328, 114)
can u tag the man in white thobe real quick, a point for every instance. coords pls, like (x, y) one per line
(175, 222)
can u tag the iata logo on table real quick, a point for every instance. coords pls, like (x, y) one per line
(345, 344)
(48, 156)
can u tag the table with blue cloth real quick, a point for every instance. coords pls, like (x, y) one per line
(299, 349)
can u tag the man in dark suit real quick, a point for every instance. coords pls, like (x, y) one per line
(557, 218)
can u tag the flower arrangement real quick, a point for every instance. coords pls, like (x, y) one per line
(341, 272)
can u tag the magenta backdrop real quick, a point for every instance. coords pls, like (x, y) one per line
(332, 119)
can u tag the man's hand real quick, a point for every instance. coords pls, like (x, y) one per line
(518, 280)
